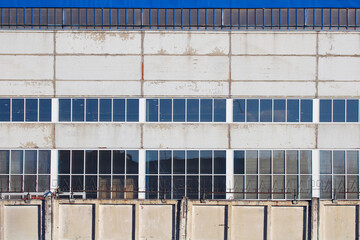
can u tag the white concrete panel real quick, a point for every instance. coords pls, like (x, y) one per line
(339, 135)
(98, 88)
(26, 135)
(272, 136)
(186, 68)
(26, 67)
(186, 88)
(186, 135)
(156, 222)
(273, 68)
(208, 222)
(339, 68)
(287, 223)
(339, 222)
(116, 222)
(186, 43)
(344, 43)
(26, 88)
(21, 222)
(97, 135)
(273, 89)
(75, 222)
(339, 89)
(16, 42)
(98, 67)
(248, 222)
(264, 43)
(98, 42)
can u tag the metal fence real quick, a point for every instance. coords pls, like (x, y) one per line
(181, 19)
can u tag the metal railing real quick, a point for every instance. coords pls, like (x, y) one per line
(181, 19)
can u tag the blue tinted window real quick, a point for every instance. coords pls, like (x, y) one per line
(119, 110)
(179, 110)
(306, 110)
(4, 110)
(339, 111)
(31, 110)
(219, 110)
(239, 162)
(205, 110)
(293, 110)
(152, 110)
(151, 162)
(239, 110)
(105, 110)
(193, 110)
(132, 110)
(45, 110)
(352, 110)
(192, 162)
(165, 110)
(252, 113)
(64, 110)
(18, 110)
(279, 110)
(91, 110)
(78, 110)
(265, 110)
(325, 110)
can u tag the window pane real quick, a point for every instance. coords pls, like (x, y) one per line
(265, 110)
(118, 186)
(4, 110)
(179, 110)
(193, 110)
(178, 187)
(64, 183)
(305, 186)
(193, 162)
(17, 162)
(78, 110)
(352, 162)
(251, 187)
(325, 186)
(293, 110)
(352, 110)
(239, 160)
(279, 162)
(251, 162)
(278, 186)
(43, 183)
(119, 110)
(30, 183)
(91, 162)
(339, 111)
(132, 110)
(291, 161)
(219, 162)
(164, 187)
(31, 110)
(292, 187)
(252, 114)
(104, 187)
(325, 110)
(206, 187)
(64, 110)
(30, 161)
(77, 162)
(239, 110)
(165, 162)
(4, 162)
(352, 187)
(325, 162)
(152, 110)
(206, 162)
(44, 162)
(64, 162)
(192, 187)
(91, 110)
(205, 110)
(339, 162)
(265, 162)
(131, 187)
(91, 186)
(265, 187)
(105, 110)
(132, 162)
(339, 186)
(16, 183)
(151, 187)
(238, 187)
(151, 162)
(104, 162)
(77, 183)
(179, 162)
(219, 187)
(305, 162)
(45, 110)
(118, 162)
(18, 110)
(219, 110)
(279, 110)
(306, 110)
(165, 110)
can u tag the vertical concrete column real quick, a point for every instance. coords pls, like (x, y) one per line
(54, 170)
(141, 180)
(315, 220)
(229, 173)
(54, 110)
(229, 110)
(183, 219)
(316, 173)
(47, 212)
(2, 235)
(142, 110)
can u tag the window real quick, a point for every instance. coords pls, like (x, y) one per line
(192, 173)
(339, 110)
(186, 110)
(272, 110)
(98, 110)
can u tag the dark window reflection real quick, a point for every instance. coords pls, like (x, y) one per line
(30, 161)
(105, 110)
(64, 183)
(239, 110)
(165, 110)
(77, 162)
(265, 110)
(30, 183)
(152, 162)
(118, 162)
(151, 187)
(325, 162)
(293, 110)
(119, 110)
(339, 110)
(151, 110)
(193, 162)
(43, 183)
(64, 110)
(4, 162)
(206, 187)
(306, 110)
(206, 110)
(325, 110)
(179, 110)
(164, 187)
(91, 161)
(352, 110)
(165, 162)
(239, 160)
(45, 110)
(338, 162)
(104, 162)
(64, 162)
(219, 110)
(91, 110)
(91, 186)
(132, 110)
(193, 110)
(220, 162)
(77, 183)
(205, 162)
(179, 162)
(4, 110)
(279, 110)
(252, 110)
(31, 110)
(78, 110)
(192, 187)
(18, 110)
(132, 162)
(178, 187)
